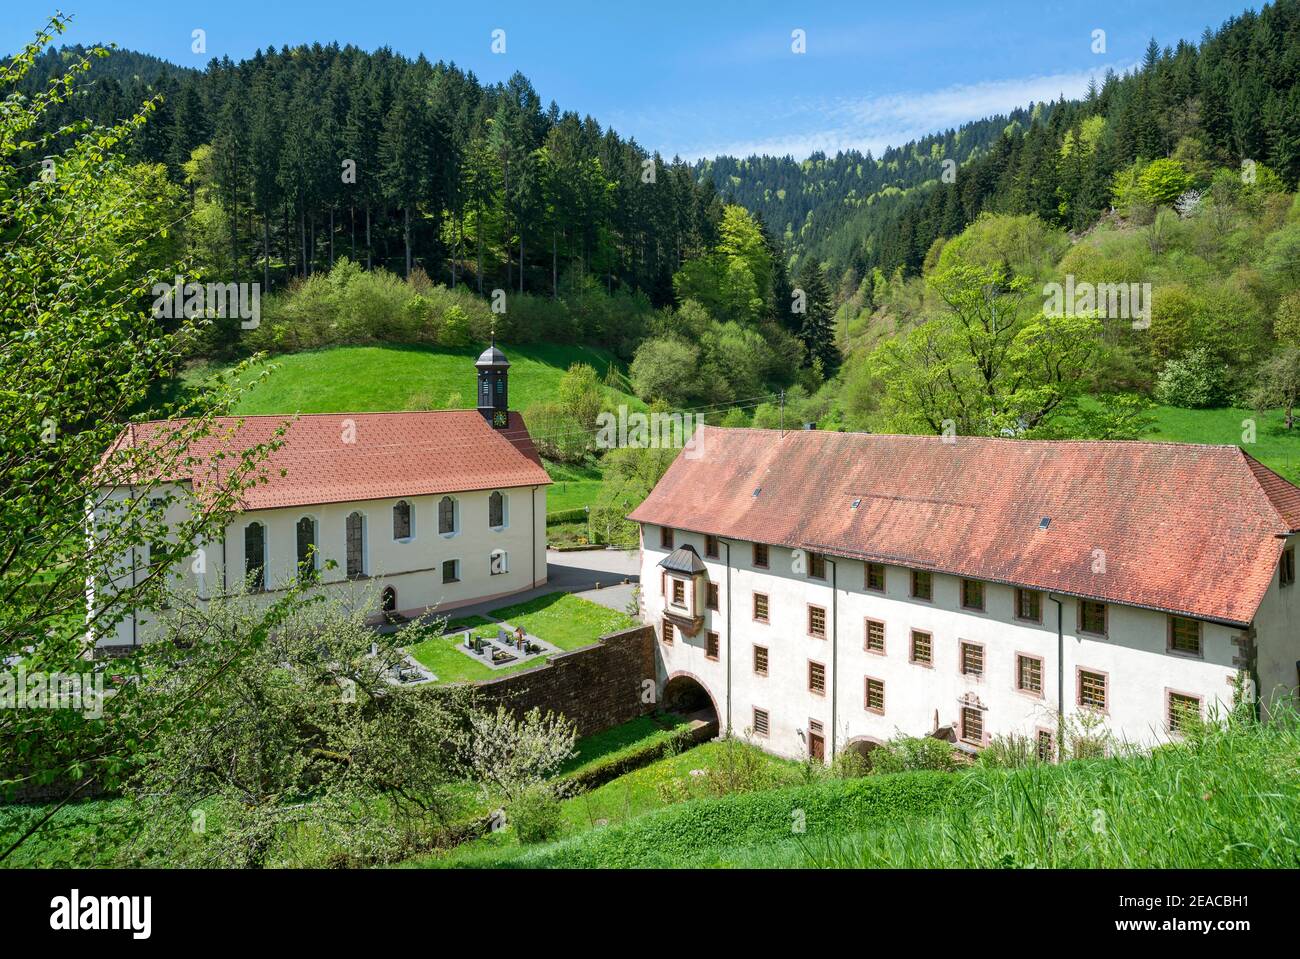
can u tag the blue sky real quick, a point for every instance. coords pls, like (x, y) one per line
(703, 77)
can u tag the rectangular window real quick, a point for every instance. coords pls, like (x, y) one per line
(665, 537)
(760, 555)
(451, 571)
(875, 696)
(922, 648)
(922, 585)
(1183, 711)
(972, 725)
(816, 566)
(972, 659)
(1184, 635)
(817, 622)
(875, 641)
(1046, 746)
(1092, 690)
(1029, 605)
(679, 593)
(1286, 567)
(1092, 617)
(816, 678)
(710, 645)
(760, 722)
(668, 633)
(711, 595)
(875, 576)
(711, 547)
(1029, 674)
(760, 607)
(760, 660)
(972, 595)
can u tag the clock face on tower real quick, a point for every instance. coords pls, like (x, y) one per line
(500, 419)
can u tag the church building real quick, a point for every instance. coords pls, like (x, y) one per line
(443, 509)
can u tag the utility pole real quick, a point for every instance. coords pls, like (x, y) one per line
(783, 412)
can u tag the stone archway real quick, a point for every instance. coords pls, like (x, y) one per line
(686, 694)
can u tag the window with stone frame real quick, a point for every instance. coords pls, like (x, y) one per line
(1184, 635)
(1092, 617)
(817, 621)
(875, 695)
(1029, 605)
(972, 659)
(1029, 674)
(922, 584)
(875, 636)
(1092, 689)
(972, 725)
(817, 678)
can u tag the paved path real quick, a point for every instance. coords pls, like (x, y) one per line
(577, 572)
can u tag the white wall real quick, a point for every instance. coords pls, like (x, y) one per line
(412, 567)
(1133, 654)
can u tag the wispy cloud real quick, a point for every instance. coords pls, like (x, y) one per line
(867, 123)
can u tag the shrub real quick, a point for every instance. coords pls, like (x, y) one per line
(557, 433)
(1194, 381)
(455, 331)
(906, 754)
(850, 764)
(536, 815)
(1009, 752)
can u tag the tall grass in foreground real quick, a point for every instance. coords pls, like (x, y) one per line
(1227, 797)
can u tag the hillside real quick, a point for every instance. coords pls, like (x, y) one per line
(1227, 797)
(392, 377)
(1234, 96)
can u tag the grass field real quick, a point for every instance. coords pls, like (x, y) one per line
(1227, 798)
(395, 377)
(1273, 445)
(560, 618)
(657, 786)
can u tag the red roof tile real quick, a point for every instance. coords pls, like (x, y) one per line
(394, 454)
(1183, 528)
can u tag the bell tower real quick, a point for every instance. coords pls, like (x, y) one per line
(494, 387)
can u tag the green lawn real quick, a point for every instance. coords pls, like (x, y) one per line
(559, 618)
(396, 377)
(629, 737)
(666, 782)
(572, 486)
(1274, 445)
(565, 620)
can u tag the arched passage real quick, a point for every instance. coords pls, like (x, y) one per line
(862, 745)
(388, 600)
(685, 694)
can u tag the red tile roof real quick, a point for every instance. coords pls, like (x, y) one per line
(394, 454)
(1182, 528)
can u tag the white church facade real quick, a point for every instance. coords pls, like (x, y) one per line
(412, 510)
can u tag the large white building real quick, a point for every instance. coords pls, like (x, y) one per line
(420, 509)
(823, 591)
